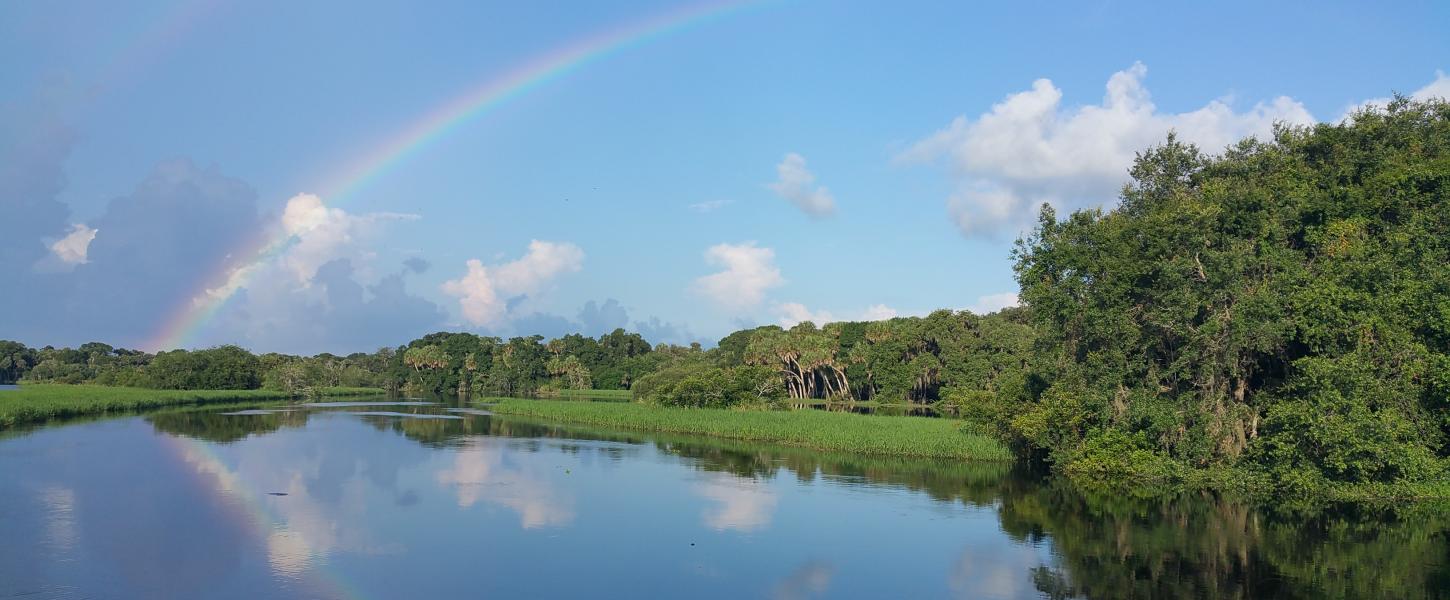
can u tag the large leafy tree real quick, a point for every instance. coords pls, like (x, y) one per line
(1286, 301)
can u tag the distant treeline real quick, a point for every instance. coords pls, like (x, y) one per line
(906, 360)
(1276, 316)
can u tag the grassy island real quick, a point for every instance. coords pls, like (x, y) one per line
(860, 434)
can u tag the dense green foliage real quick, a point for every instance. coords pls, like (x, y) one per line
(951, 357)
(1283, 307)
(464, 363)
(865, 434)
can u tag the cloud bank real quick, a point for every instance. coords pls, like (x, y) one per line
(1030, 149)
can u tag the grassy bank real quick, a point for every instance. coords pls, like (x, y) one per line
(592, 395)
(844, 432)
(39, 402)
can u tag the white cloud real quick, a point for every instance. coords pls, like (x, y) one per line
(794, 313)
(797, 184)
(71, 249)
(1439, 88)
(476, 296)
(993, 302)
(543, 262)
(1029, 149)
(483, 293)
(323, 234)
(749, 271)
(317, 235)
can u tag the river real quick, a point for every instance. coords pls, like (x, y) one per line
(384, 500)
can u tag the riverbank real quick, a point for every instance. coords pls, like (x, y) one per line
(820, 430)
(42, 401)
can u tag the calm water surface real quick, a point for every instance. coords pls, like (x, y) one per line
(379, 500)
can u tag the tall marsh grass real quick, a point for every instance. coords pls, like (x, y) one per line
(821, 430)
(35, 402)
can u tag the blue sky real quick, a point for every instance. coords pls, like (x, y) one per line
(787, 160)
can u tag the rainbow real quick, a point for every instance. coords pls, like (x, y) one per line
(196, 311)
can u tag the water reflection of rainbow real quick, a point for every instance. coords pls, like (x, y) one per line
(221, 283)
(252, 512)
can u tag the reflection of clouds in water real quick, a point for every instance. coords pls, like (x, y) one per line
(808, 581)
(60, 518)
(478, 473)
(992, 570)
(744, 504)
(300, 528)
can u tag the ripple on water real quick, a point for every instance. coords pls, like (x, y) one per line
(351, 404)
(470, 411)
(384, 413)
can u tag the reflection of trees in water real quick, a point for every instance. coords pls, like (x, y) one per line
(214, 426)
(1106, 545)
(1201, 546)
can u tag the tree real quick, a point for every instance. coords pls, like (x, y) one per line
(1284, 302)
(15, 361)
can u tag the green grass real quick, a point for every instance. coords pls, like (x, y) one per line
(38, 402)
(598, 395)
(841, 432)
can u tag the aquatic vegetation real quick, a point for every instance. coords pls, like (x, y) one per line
(863, 434)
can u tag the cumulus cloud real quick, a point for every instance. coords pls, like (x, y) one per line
(484, 294)
(993, 302)
(796, 183)
(319, 292)
(476, 295)
(325, 233)
(1029, 149)
(159, 244)
(72, 248)
(540, 265)
(748, 271)
(791, 314)
(1439, 88)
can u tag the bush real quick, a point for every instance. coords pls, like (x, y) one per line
(220, 368)
(1114, 455)
(700, 385)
